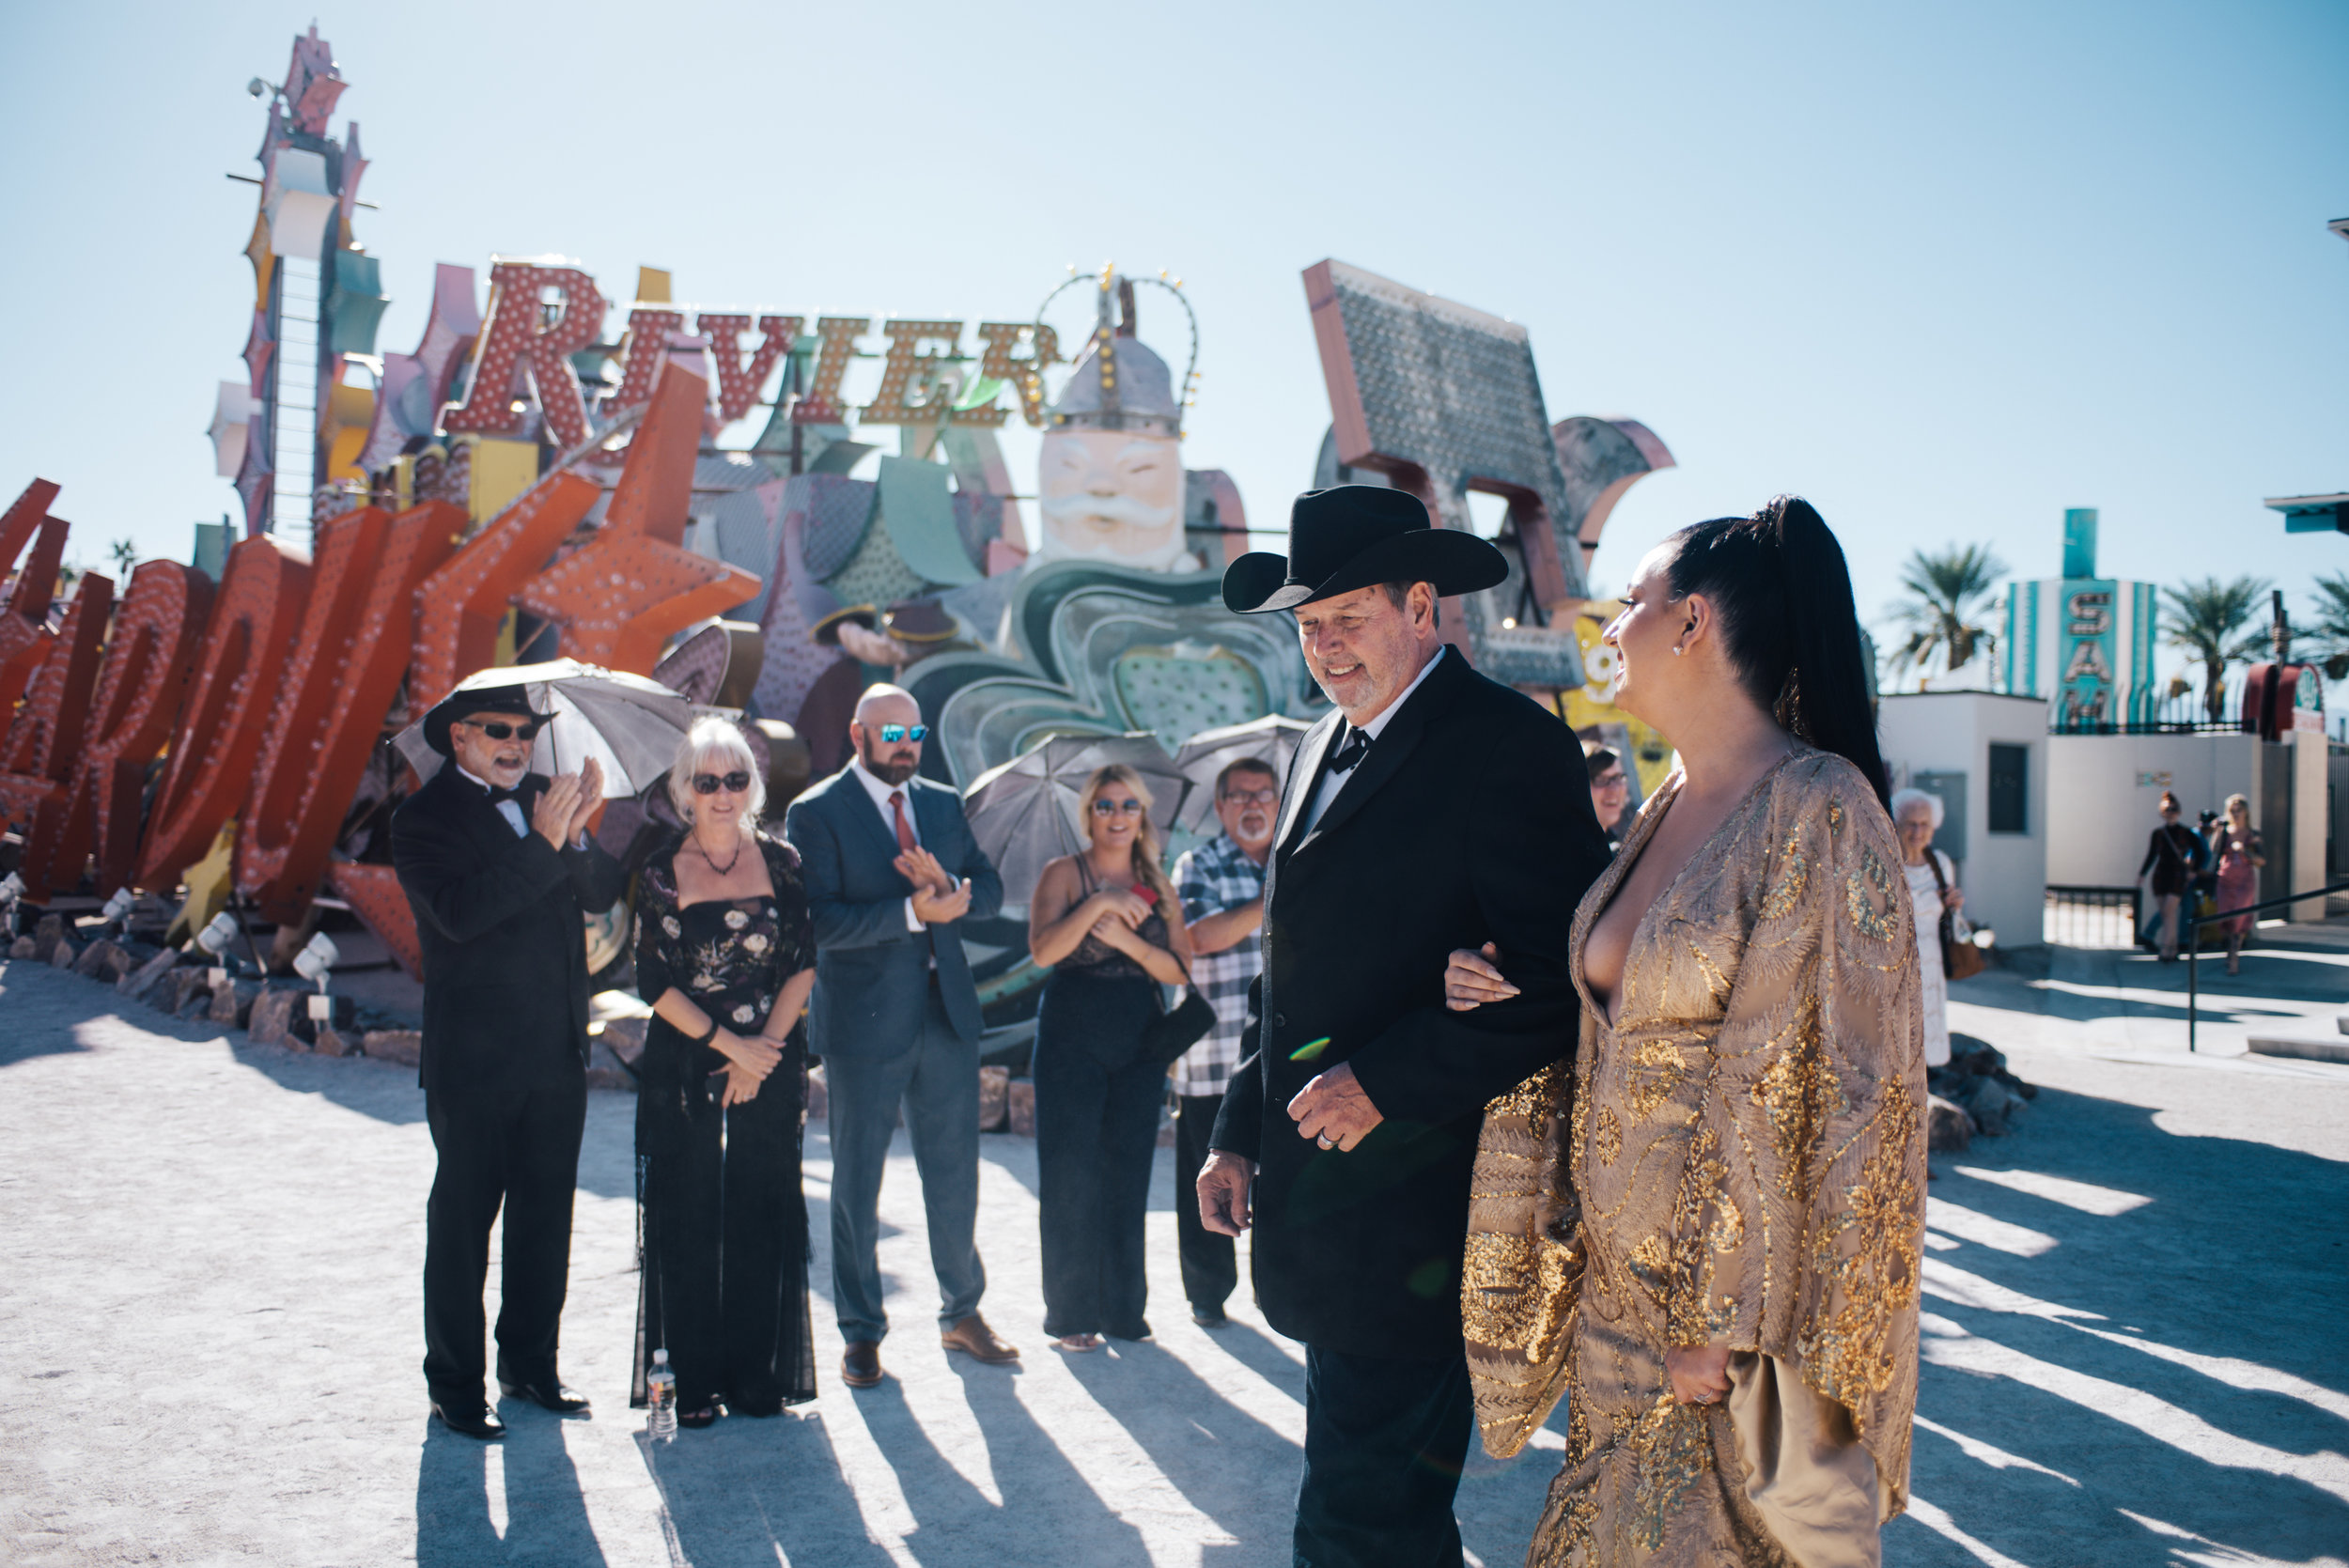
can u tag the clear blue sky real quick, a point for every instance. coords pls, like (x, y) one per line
(1945, 270)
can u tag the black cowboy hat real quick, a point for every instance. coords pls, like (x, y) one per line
(488, 699)
(1356, 536)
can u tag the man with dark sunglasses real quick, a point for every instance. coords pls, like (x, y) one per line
(498, 868)
(891, 872)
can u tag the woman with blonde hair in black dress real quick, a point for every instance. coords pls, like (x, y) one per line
(725, 953)
(1109, 926)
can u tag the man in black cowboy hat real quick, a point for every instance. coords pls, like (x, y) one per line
(497, 865)
(1433, 811)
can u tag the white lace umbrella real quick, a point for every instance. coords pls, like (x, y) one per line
(1025, 812)
(1272, 740)
(628, 724)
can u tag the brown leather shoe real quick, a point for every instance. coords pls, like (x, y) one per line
(973, 1338)
(861, 1367)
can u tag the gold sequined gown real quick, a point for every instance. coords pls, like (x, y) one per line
(1738, 1161)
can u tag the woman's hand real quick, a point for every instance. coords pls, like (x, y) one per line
(1113, 931)
(1699, 1372)
(741, 1087)
(755, 1056)
(1954, 898)
(1121, 904)
(1469, 980)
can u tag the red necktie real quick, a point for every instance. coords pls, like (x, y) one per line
(904, 829)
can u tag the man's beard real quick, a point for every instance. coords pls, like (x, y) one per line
(888, 772)
(1072, 512)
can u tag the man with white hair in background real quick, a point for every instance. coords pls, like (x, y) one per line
(1221, 885)
(891, 872)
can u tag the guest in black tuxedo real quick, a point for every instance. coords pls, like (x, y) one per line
(1436, 810)
(498, 869)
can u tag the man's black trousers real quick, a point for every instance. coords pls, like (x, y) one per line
(1384, 1441)
(519, 1148)
(1210, 1270)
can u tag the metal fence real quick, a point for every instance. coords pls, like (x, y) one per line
(2157, 708)
(2089, 917)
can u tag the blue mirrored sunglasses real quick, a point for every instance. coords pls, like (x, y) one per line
(892, 734)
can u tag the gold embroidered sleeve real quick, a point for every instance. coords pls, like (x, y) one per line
(1522, 1268)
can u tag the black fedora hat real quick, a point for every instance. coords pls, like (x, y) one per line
(1356, 536)
(514, 700)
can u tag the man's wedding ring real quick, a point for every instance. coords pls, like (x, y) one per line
(1326, 1141)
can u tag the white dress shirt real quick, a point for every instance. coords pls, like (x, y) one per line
(880, 789)
(510, 810)
(1332, 782)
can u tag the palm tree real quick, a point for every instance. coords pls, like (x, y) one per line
(2207, 618)
(126, 555)
(1947, 590)
(2330, 629)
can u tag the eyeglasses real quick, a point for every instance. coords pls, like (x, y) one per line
(1117, 808)
(1612, 780)
(507, 732)
(1252, 796)
(710, 783)
(892, 734)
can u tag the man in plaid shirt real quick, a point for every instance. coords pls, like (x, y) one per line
(1222, 886)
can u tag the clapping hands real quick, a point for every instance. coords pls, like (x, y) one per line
(937, 896)
(568, 804)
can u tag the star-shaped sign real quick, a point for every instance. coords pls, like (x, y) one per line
(625, 592)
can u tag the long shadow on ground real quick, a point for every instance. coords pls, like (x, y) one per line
(2138, 1354)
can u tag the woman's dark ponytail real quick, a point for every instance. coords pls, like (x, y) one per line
(1778, 584)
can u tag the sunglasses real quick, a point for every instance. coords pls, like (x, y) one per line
(710, 783)
(892, 734)
(1116, 808)
(526, 731)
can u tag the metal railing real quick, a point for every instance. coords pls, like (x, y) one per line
(2089, 917)
(2194, 948)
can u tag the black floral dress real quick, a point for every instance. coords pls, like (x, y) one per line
(721, 1221)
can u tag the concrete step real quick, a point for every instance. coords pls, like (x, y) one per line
(2341, 1023)
(2309, 1047)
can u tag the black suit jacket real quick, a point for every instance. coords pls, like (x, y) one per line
(872, 974)
(505, 948)
(1469, 821)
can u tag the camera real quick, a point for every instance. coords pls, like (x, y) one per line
(2206, 818)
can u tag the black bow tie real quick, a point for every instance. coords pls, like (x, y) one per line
(498, 796)
(1352, 749)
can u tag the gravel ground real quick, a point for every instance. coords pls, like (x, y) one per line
(211, 1320)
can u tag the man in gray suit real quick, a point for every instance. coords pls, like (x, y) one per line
(891, 869)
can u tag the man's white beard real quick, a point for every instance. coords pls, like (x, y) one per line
(1075, 511)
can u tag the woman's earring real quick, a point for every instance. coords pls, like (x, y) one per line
(1678, 650)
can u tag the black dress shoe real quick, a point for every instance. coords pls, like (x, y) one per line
(550, 1395)
(469, 1423)
(1209, 1317)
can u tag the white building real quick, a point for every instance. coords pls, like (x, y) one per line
(1986, 754)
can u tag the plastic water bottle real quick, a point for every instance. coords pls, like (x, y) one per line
(660, 1396)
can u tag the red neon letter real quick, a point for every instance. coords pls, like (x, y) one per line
(148, 662)
(513, 339)
(345, 671)
(262, 595)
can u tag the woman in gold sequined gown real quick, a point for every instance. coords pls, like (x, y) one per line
(1702, 1232)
